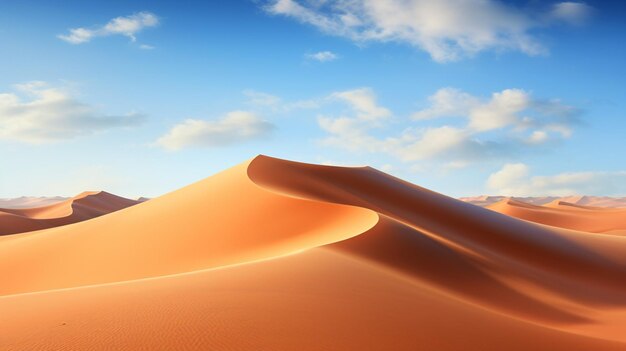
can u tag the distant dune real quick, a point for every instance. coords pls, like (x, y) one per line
(280, 255)
(583, 200)
(78, 208)
(30, 201)
(567, 215)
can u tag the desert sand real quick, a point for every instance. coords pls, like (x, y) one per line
(280, 255)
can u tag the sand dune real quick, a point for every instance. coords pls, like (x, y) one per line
(279, 255)
(223, 220)
(582, 200)
(567, 215)
(79, 208)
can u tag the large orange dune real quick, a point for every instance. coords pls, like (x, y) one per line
(279, 255)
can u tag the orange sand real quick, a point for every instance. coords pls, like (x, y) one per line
(278, 255)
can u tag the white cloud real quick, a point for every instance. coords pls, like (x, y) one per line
(508, 122)
(538, 137)
(352, 133)
(502, 110)
(447, 102)
(432, 142)
(447, 29)
(509, 108)
(235, 127)
(78, 36)
(146, 47)
(508, 178)
(571, 12)
(127, 26)
(323, 56)
(363, 101)
(514, 179)
(51, 114)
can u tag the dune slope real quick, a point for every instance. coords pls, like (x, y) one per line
(279, 255)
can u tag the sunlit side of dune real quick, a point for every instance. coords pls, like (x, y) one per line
(279, 255)
(225, 219)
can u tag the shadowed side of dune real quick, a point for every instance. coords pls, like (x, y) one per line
(400, 248)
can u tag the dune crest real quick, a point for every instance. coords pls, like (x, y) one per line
(281, 255)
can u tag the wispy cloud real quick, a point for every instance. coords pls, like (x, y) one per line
(235, 127)
(36, 113)
(267, 102)
(514, 179)
(127, 26)
(446, 29)
(322, 56)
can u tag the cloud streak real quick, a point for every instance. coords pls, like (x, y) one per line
(274, 104)
(322, 56)
(38, 114)
(447, 30)
(127, 26)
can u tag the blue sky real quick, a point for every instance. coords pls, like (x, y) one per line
(464, 97)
